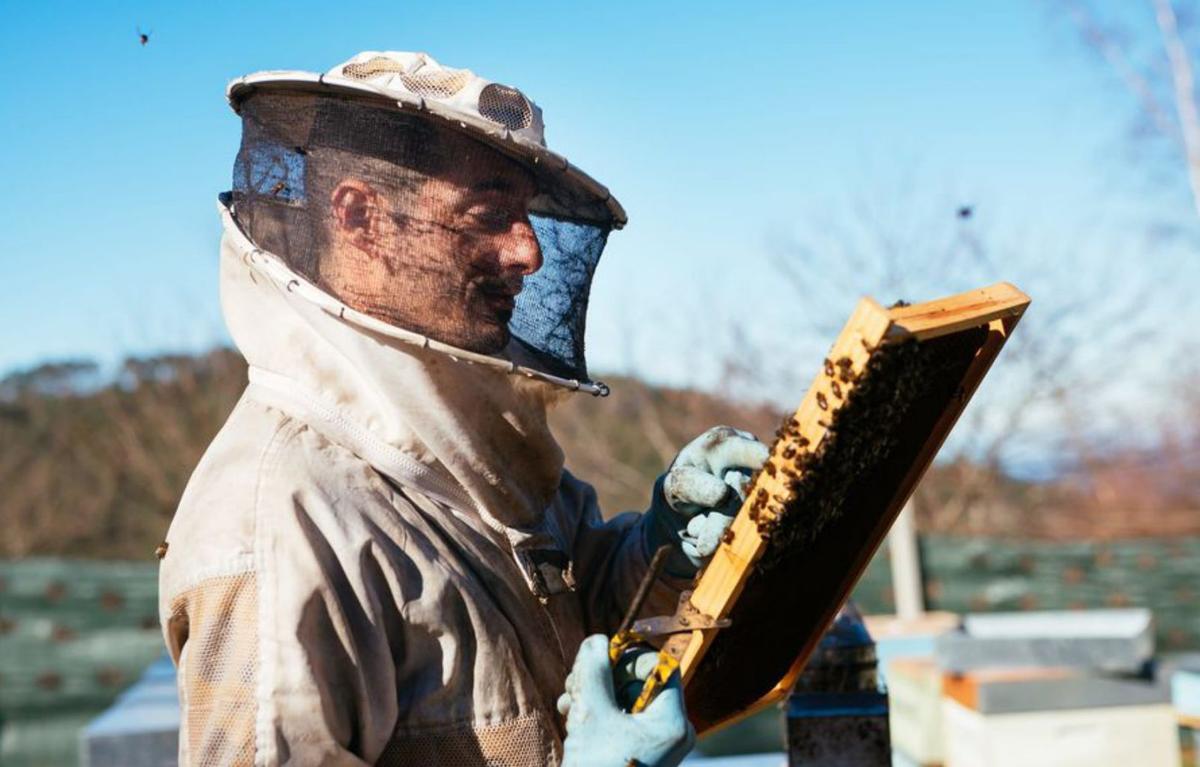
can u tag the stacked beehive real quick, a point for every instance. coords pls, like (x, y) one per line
(1061, 689)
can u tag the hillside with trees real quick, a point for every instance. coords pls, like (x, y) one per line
(93, 465)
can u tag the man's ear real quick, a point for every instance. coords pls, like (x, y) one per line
(356, 213)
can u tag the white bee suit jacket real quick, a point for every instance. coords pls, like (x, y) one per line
(379, 559)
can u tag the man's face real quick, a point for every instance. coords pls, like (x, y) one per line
(444, 256)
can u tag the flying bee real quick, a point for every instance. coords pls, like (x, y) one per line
(143, 37)
(278, 188)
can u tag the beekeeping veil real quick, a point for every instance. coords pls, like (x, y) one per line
(395, 190)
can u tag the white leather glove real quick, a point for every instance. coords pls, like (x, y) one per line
(698, 496)
(601, 734)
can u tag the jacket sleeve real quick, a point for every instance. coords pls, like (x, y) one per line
(610, 559)
(211, 633)
(291, 657)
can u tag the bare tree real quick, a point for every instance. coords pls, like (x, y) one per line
(1146, 45)
(1049, 400)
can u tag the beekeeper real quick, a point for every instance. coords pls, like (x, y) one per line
(380, 558)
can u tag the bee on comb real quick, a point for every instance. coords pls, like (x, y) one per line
(839, 471)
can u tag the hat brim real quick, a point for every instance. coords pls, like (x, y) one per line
(566, 190)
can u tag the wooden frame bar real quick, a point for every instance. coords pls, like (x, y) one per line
(870, 327)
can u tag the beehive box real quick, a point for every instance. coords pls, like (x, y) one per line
(915, 711)
(1115, 736)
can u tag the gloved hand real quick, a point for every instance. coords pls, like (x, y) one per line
(697, 498)
(601, 734)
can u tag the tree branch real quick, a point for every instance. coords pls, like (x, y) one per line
(1185, 93)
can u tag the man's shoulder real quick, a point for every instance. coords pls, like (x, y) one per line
(262, 450)
(262, 463)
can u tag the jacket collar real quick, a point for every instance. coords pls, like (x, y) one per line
(459, 431)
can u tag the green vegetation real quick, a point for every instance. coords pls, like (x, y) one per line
(72, 635)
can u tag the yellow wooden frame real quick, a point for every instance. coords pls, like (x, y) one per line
(870, 327)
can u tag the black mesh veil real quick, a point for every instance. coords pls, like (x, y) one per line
(419, 225)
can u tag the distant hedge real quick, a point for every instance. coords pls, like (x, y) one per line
(985, 574)
(72, 635)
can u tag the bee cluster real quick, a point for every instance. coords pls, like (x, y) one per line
(831, 474)
(793, 453)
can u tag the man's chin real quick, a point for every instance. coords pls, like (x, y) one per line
(486, 340)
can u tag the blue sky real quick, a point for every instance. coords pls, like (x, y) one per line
(723, 129)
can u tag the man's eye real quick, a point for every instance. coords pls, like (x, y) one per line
(491, 218)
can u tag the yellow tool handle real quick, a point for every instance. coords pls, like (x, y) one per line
(626, 637)
(667, 665)
(622, 641)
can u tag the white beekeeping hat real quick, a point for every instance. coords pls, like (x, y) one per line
(498, 114)
(398, 120)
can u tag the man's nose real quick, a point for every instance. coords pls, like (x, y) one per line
(521, 252)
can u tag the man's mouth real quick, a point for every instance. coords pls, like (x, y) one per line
(501, 294)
